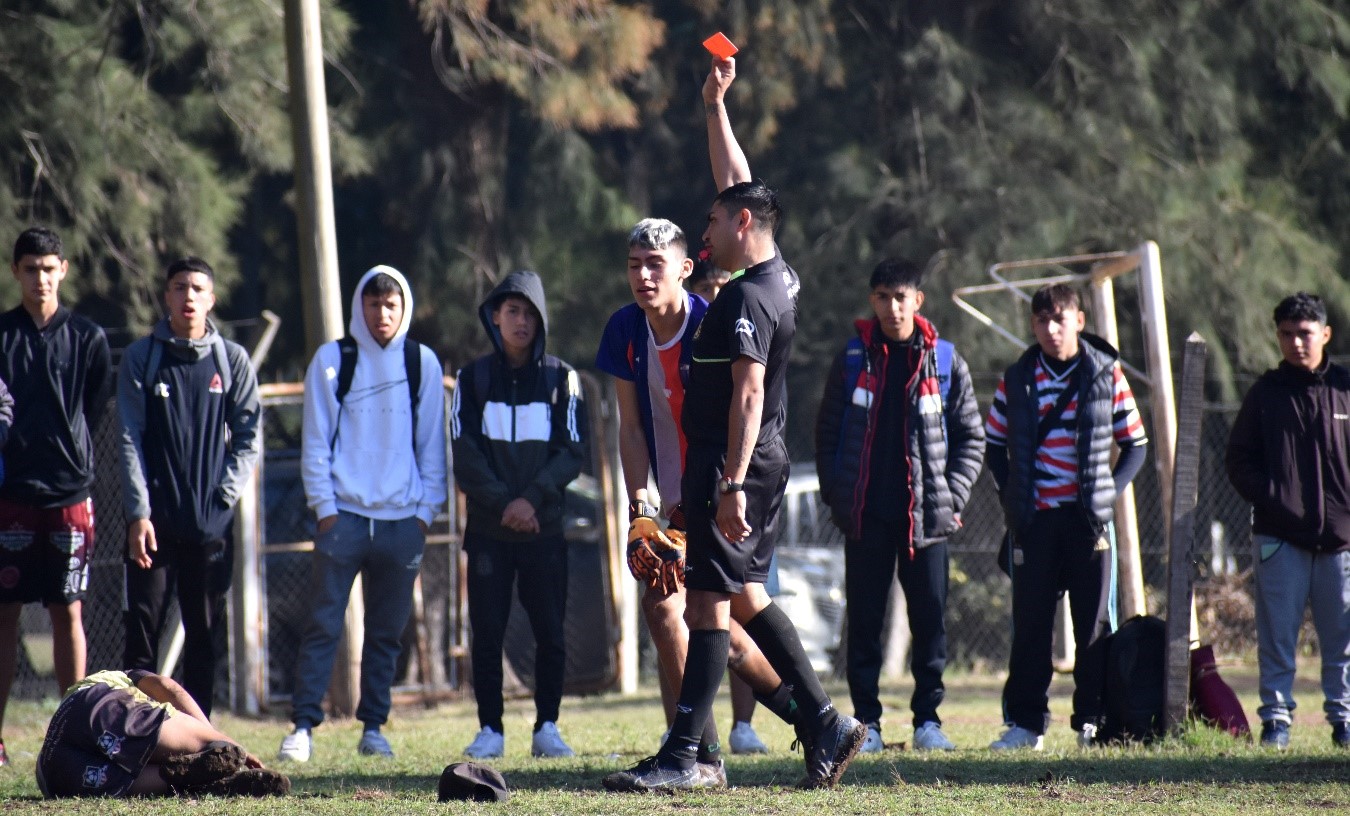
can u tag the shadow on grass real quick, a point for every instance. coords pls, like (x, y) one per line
(899, 768)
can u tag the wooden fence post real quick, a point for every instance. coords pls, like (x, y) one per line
(1186, 484)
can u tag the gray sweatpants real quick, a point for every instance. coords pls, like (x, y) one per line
(1288, 579)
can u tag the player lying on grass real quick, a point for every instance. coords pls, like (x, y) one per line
(141, 734)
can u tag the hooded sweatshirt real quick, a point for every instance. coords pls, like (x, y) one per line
(374, 468)
(522, 436)
(188, 444)
(59, 376)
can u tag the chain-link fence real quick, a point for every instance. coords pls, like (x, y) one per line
(435, 657)
(811, 563)
(102, 607)
(978, 605)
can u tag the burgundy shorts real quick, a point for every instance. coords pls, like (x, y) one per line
(44, 552)
(98, 742)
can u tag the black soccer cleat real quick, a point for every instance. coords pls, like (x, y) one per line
(831, 750)
(650, 776)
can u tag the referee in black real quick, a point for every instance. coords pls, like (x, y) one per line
(736, 469)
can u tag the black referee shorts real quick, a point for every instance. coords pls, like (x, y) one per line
(712, 563)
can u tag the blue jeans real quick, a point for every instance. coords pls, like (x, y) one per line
(388, 556)
(1288, 579)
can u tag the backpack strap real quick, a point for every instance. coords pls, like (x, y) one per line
(482, 373)
(942, 353)
(1050, 419)
(222, 359)
(346, 367)
(346, 370)
(218, 354)
(152, 364)
(856, 359)
(553, 378)
(412, 370)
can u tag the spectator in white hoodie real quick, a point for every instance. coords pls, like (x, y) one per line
(374, 466)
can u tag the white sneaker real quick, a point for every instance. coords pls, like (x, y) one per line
(872, 744)
(929, 737)
(744, 740)
(296, 746)
(373, 743)
(1018, 737)
(488, 744)
(547, 742)
(1088, 736)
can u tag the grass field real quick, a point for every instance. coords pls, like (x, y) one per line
(1204, 772)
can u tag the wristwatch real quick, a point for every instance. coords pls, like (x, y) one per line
(725, 486)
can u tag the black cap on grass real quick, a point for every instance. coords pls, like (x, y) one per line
(473, 780)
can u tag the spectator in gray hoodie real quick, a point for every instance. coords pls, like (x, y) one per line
(188, 401)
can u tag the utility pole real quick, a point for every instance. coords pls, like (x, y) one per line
(313, 175)
(319, 263)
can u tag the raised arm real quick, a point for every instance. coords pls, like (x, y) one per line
(729, 164)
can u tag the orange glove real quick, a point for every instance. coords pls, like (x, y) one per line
(655, 557)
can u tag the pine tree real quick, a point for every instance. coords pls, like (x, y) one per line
(135, 130)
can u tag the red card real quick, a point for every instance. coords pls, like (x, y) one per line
(719, 46)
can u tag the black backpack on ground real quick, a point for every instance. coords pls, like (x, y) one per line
(1136, 663)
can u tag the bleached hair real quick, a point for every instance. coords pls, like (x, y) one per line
(657, 233)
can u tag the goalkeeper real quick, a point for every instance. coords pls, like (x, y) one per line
(647, 346)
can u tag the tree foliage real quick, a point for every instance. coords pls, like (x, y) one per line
(135, 129)
(476, 137)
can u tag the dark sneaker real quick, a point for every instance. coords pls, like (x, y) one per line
(711, 775)
(217, 760)
(4, 757)
(1340, 736)
(831, 750)
(256, 782)
(650, 775)
(1275, 734)
(802, 738)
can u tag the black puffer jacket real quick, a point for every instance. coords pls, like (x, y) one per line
(1289, 455)
(1096, 387)
(948, 461)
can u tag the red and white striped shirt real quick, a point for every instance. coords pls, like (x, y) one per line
(1056, 471)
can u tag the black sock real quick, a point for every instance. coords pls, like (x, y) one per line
(495, 725)
(773, 632)
(703, 670)
(780, 702)
(710, 747)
